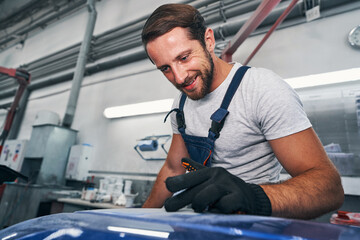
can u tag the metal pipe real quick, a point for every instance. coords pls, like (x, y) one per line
(201, 3)
(66, 52)
(114, 41)
(254, 21)
(65, 76)
(228, 29)
(80, 66)
(232, 10)
(137, 55)
(23, 28)
(8, 93)
(278, 21)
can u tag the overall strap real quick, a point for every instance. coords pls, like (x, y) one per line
(182, 101)
(180, 119)
(219, 116)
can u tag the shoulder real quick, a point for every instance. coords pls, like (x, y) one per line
(176, 101)
(263, 76)
(263, 83)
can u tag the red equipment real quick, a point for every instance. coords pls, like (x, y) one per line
(23, 79)
(262, 11)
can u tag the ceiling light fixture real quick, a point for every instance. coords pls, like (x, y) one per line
(347, 75)
(138, 109)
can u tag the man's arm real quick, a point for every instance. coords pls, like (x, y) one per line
(315, 187)
(171, 167)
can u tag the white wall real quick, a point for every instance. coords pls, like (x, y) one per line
(113, 139)
(314, 47)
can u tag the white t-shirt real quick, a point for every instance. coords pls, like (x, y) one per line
(264, 108)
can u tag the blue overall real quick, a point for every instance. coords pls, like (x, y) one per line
(201, 149)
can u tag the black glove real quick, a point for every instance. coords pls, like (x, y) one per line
(217, 190)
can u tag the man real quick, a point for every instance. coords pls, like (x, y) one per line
(265, 127)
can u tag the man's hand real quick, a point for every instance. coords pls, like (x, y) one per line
(216, 190)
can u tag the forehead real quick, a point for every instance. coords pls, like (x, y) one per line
(171, 38)
(170, 44)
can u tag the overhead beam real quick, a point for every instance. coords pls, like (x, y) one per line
(267, 35)
(250, 25)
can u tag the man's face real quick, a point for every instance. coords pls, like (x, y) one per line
(184, 62)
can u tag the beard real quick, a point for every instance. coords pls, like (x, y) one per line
(206, 77)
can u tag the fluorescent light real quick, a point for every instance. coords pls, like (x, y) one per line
(347, 75)
(159, 106)
(151, 233)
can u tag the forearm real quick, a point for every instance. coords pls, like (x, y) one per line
(306, 196)
(159, 192)
(171, 167)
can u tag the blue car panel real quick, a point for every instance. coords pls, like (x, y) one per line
(158, 224)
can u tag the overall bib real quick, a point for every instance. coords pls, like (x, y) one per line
(201, 149)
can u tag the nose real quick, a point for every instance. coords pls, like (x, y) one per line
(180, 74)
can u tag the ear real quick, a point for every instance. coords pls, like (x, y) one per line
(209, 40)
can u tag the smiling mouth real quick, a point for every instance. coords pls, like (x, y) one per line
(191, 84)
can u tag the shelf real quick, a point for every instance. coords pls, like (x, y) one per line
(80, 202)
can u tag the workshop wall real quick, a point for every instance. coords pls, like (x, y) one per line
(309, 48)
(318, 46)
(113, 139)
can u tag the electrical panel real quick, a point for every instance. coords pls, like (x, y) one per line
(79, 162)
(12, 154)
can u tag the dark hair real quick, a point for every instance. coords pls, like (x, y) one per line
(169, 16)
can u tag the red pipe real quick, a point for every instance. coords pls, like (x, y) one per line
(8, 71)
(278, 21)
(261, 12)
(23, 78)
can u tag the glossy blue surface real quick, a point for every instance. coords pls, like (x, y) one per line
(158, 224)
